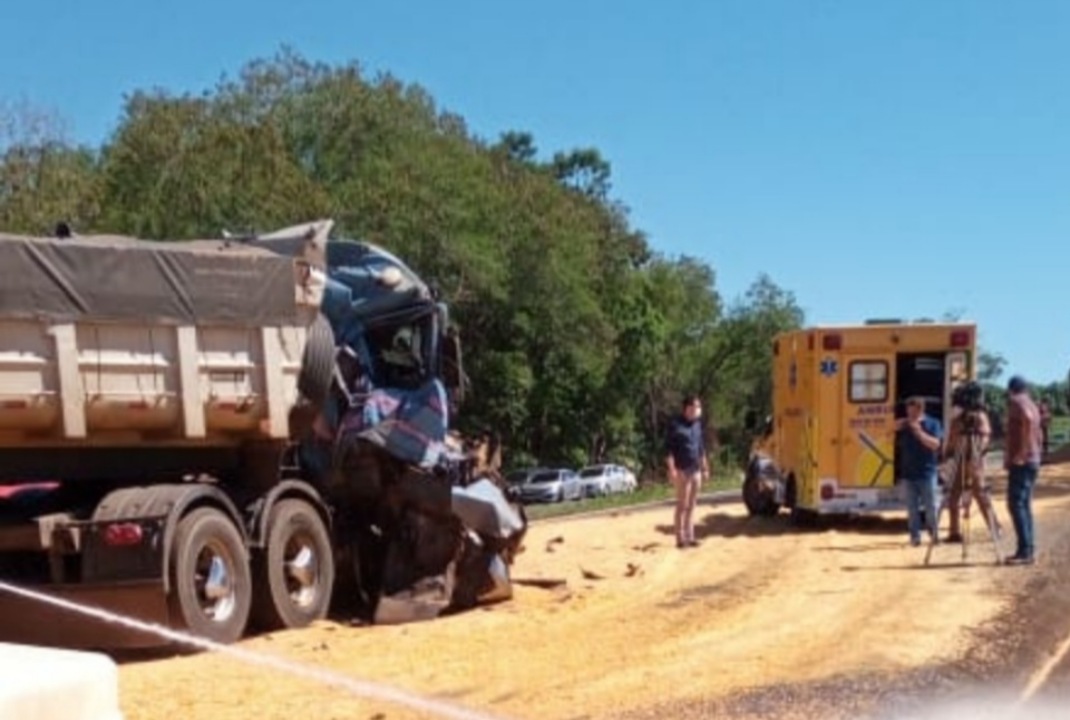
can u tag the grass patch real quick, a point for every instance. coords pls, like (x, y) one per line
(656, 492)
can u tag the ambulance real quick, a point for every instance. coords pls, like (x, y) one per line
(829, 446)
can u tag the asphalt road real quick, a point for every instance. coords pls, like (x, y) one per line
(1018, 667)
(1044, 612)
(762, 620)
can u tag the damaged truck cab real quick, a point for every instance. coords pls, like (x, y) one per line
(222, 434)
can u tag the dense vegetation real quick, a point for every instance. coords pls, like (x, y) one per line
(580, 338)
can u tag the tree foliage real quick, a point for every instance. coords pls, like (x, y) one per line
(580, 338)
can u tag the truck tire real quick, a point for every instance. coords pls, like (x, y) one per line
(317, 363)
(211, 587)
(295, 573)
(758, 500)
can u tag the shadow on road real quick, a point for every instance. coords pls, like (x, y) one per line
(719, 524)
(864, 547)
(136, 656)
(919, 565)
(728, 526)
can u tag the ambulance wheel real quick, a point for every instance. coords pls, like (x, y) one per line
(791, 494)
(803, 518)
(759, 501)
(798, 517)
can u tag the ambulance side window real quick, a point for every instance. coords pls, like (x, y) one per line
(869, 381)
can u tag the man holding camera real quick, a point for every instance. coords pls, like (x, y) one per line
(920, 437)
(967, 442)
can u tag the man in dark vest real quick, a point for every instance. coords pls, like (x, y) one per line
(687, 466)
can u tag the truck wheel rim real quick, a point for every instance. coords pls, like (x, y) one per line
(214, 582)
(301, 570)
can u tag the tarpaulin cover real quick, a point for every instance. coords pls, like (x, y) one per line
(107, 278)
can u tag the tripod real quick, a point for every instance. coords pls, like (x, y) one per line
(966, 485)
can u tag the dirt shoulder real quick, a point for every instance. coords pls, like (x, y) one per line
(759, 611)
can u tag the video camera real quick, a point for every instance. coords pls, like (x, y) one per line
(969, 396)
(970, 399)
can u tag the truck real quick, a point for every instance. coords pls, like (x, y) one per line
(228, 434)
(829, 445)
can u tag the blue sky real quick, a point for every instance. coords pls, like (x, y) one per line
(894, 159)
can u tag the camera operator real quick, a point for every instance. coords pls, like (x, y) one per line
(968, 441)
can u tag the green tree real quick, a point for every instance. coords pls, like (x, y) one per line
(990, 366)
(579, 339)
(44, 179)
(739, 372)
(584, 170)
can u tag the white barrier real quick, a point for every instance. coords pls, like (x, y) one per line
(39, 683)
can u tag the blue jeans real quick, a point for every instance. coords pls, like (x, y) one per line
(920, 492)
(1020, 484)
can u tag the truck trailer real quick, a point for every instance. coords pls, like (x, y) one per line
(215, 435)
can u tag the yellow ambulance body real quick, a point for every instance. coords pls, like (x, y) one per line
(829, 446)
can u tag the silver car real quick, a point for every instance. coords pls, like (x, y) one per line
(551, 486)
(607, 479)
(516, 478)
